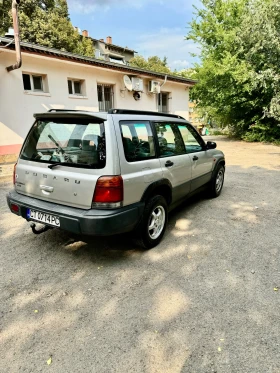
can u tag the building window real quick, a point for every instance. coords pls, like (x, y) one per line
(35, 83)
(75, 87)
(117, 60)
(105, 97)
(163, 102)
(97, 53)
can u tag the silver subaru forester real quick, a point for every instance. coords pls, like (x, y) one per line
(109, 173)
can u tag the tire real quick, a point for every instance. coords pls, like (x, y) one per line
(155, 214)
(217, 182)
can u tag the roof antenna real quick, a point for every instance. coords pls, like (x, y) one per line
(17, 65)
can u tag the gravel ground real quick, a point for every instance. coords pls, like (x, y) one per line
(205, 300)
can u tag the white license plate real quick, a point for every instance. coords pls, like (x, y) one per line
(44, 218)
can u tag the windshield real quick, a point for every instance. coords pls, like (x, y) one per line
(76, 143)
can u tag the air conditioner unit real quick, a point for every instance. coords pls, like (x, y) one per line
(137, 84)
(154, 86)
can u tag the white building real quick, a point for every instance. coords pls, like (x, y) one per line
(52, 79)
(111, 52)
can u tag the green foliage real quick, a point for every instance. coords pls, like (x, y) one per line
(216, 132)
(239, 81)
(47, 23)
(5, 16)
(187, 73)
(153, 63)
(263, 133)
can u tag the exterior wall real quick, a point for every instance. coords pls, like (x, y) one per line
(128, 55)
(105, 49)
(99, 45)
(17, 106)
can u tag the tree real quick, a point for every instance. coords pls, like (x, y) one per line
(5, 16)
(47, 23)
(260, 46)
(153, 63)
(238, 75)
(189, 73)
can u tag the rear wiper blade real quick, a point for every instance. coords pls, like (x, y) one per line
(77, 165)
(51, 166)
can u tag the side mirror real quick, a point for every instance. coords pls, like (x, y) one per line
(211, 145)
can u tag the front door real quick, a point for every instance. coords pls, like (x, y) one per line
(175, 163)
(201, 159)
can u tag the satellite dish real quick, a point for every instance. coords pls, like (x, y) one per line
(127, 82)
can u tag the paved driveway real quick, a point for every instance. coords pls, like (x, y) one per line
(205, 300)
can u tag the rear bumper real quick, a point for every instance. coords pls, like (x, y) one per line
(89, 222)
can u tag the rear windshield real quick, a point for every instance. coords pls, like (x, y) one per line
(76, 143)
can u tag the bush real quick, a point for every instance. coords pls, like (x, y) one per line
(263, 133)
(218, 132)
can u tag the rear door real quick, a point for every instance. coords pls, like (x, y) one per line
(201, 159)
(83, 151)
(137, 154)
(174, 161)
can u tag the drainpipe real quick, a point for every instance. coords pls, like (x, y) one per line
(164, 81)
(17, 65)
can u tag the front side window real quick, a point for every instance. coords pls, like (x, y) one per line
(138, 140)
(33, 82)
(105, 97)
(74, 143)
(75, 87)
(169, 139)
(191, 139)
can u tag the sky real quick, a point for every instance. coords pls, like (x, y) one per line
(150, 27)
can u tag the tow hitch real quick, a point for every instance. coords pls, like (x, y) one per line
(41, 230)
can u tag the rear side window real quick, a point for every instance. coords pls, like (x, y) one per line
(73, 143)
(138, 140)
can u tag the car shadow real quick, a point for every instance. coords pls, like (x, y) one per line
(124, 245)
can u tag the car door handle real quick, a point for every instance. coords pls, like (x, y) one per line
(195, 158)
(169, 164)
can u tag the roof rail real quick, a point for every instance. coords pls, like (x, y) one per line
(142, 112)
(51, 110)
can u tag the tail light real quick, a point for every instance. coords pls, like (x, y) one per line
(108, 192)
(15, 208)
(14, 174)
